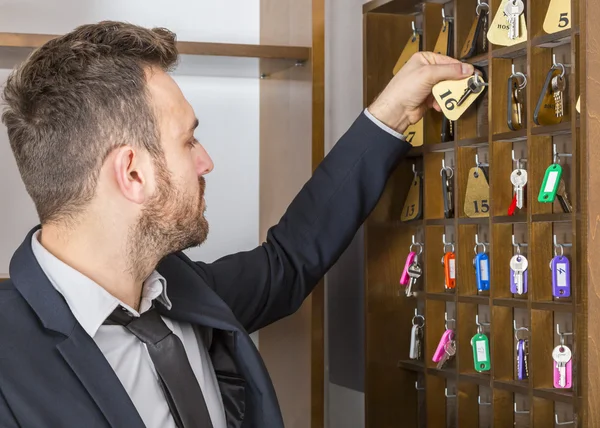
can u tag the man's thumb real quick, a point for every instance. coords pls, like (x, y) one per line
(440, 72)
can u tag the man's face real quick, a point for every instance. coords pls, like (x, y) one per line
(173, 218)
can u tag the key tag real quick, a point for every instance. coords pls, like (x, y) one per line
(447, 174)
(404, 278)
(558, 17)
(545, 110)
(449, 262)
(412, 47)
(498, 33)
(522, 353)
(521, 261)
(441, 348)
(481, 351)
(478, 28)
(562, 355)
(413, 204)
(478, 193)
(550, 184)
(456, 96)
(561, 274)
(415, 336)
(482, 268)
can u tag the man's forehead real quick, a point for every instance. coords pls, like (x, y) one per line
(169, 102)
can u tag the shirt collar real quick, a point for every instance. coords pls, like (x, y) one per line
(90, 303)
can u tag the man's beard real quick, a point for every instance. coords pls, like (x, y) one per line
(171, 221)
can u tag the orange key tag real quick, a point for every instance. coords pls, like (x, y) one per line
(450, 270)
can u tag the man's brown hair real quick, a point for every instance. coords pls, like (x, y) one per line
(73, 101)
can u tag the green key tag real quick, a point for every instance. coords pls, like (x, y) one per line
(550, 184)
(481, 352)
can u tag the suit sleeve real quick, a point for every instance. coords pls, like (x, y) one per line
(7, 419)
(270, 282)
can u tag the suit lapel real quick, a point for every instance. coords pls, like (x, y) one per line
(100, 380)
(78, 349)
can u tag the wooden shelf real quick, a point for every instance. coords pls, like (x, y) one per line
(440, 147)
(511, 303)
(197, 58)
(475, 300)
(512, 219)
(448, 373)
(412, 365)
(440, 222)
(467, 220)
(446, 297)
(511, 137)
(390, 6)
(553, 130)
(511, 52)
(562, 395)
(514, 386)
(474, 142)
(553, 218)
(553, 40)
(481, 60)
(555, 306)
(478, 378)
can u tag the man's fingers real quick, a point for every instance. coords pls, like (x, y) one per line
(455, 71)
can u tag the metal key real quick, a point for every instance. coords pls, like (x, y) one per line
(562, 355)
(415, 343)
(518, 100)
(474, 86)
(519, 265)
(449, 352)
(563, 198)
(513, 11)
(558, 88)
(519, 179)
(414, 272)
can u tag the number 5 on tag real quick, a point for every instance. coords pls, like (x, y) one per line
(558, 17)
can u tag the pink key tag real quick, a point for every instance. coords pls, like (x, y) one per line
(568, 376)
(441, 349)
(404, 278)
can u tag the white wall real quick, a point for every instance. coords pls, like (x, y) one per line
(220, 103)
(343, 102)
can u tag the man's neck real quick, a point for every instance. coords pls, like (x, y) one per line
(103, 257)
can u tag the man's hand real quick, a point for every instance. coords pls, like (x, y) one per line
(407, 97)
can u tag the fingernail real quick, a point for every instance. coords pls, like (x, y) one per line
(467, 69)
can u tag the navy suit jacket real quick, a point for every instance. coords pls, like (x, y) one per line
(53, 375)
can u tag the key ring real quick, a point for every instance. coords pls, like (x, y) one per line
(562, 68)
(419, 317)
(523, 77)
(562, 250)
(448, 170)
(478, 245)
(522, 329)
(481, 5)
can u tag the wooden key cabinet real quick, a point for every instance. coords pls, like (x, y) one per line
(405, 392)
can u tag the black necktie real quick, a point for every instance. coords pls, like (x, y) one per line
(175, 374)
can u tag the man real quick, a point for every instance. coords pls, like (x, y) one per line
(104, 322)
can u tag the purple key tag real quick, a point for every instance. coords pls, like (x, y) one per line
(521, 372)
(561, 276)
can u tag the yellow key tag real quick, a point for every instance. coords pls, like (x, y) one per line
(578, 105)
(499, 32)
(411, 48)
(441, 46)
(558, 17)
(477, 199)
(412, 205)
(414, 134)
(450, 93)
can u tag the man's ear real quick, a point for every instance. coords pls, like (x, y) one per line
(129, 173)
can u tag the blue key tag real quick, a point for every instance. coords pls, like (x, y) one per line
(482, 271)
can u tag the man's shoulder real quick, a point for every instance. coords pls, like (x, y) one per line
(8, 293)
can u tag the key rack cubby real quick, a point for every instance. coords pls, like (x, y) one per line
(410, 393)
